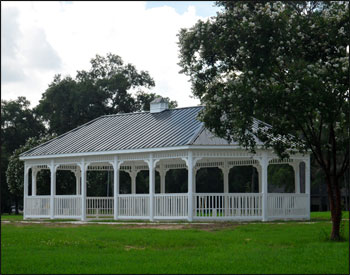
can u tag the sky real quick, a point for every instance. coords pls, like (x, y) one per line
(42, 39)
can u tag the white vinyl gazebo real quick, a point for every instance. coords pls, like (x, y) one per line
(159, 140)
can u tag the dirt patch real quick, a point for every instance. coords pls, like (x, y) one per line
(46, 224)
(198, 226)
(160, 226)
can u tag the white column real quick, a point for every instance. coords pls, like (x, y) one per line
(307, 182)
(52, 189)
(225, 172)
(264, 164)
(190, 186)
(133, 176)
(34, 173)
(162, 175)
(116, 186)
(83, 189)
(296, 168)
(25, 190)
(194, 189)
(151, 186)
(77, 181)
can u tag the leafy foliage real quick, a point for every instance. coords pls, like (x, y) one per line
(284, 63)
(15, 168)
(18, 123)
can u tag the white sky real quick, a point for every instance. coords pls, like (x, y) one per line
(41, 39)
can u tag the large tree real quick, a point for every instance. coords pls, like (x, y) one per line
(284, 63)
(18, 123)
(103, 89)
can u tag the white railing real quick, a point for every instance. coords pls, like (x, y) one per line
(67, 206)
(231, 206)
(133, 206)
(37, 206)
(287, 205)
(170, 205)
(224, 206)
(99, 206)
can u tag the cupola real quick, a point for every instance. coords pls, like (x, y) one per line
(159, 105)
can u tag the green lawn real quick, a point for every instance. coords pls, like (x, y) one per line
(290, 247)
(315, 216)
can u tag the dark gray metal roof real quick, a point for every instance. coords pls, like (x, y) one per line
(172, 127)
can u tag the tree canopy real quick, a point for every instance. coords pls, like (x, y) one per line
(104, 89)
(284, 63)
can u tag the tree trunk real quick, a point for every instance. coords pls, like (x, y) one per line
(335, 206)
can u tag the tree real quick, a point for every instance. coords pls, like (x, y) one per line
(102, 90)
(284, 63)
(15, 168)
(18, 123)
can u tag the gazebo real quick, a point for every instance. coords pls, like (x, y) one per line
(159, 140)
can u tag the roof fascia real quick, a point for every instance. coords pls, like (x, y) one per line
(146, 150)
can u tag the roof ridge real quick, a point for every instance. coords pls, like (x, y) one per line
(196, 135)
(147, 112)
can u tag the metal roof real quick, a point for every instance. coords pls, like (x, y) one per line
(144, 130)
(172, 127)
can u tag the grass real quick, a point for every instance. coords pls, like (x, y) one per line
(290, 248)
(315, 216)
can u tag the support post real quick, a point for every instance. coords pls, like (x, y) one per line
(115, 187)
(151, 186)
(190, 186)
(225, 172)
(83, 189)
(25, 190)
(34, 173)
(194, 189)
(78, 181)
(133, 181)
(264, 164)
(162, 174)
(52, 189)
(307, 183)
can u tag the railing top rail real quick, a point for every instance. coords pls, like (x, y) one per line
(170, 195)
(287, 194)
(99, 198)
(228, 194)
(39, 197)
(132, 195)
(67, 196)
